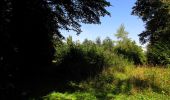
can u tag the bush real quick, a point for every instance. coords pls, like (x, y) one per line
(80, 61)
(131, 51)
(69, 96)
(159, 54)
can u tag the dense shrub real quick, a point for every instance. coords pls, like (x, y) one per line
(128, 48)
(131, 51)
(69, 96)
(108, 44)
(80, 61)
(159, 54)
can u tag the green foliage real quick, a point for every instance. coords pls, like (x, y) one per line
(131, 51)
(156, 20)
(88, 96)
(156, 15)
(142, 96)
(121, 33)
(27, 29)
(108, 44)
(107, 71)
(69, 96)
(158, 54)
(128, 48)
(98, 41)
(87, 43)
(134, 83)
(80, 61)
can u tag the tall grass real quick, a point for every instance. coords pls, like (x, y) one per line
(133, 83)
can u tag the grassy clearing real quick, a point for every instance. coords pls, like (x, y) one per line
(142, 96)
(129, 83)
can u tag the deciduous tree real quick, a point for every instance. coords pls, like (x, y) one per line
(156, 15)
(27, 28)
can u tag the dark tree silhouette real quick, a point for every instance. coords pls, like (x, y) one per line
(27, 28)
(156, 15)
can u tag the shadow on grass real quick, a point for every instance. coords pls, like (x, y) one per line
(56, 78)
(125, 86)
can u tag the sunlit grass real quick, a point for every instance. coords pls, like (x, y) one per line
(155, 78)
(142, 96)
(70, 96)
(131, 83)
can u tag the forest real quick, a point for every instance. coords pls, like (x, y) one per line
(38, 63)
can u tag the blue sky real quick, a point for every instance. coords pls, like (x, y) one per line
(120, 14)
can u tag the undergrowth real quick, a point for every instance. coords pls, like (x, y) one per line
(129, 83)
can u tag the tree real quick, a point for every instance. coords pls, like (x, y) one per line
(87, 42)
(98, 41)
(108, 44)
(27, 28)
(128, 48)
(156, 15)
(158, 54)
(121, 33)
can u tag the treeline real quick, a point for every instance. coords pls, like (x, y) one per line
(87, 59)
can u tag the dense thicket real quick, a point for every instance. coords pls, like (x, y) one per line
(79, 61)
(156, 15)
(128, 48)
(26, 30)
